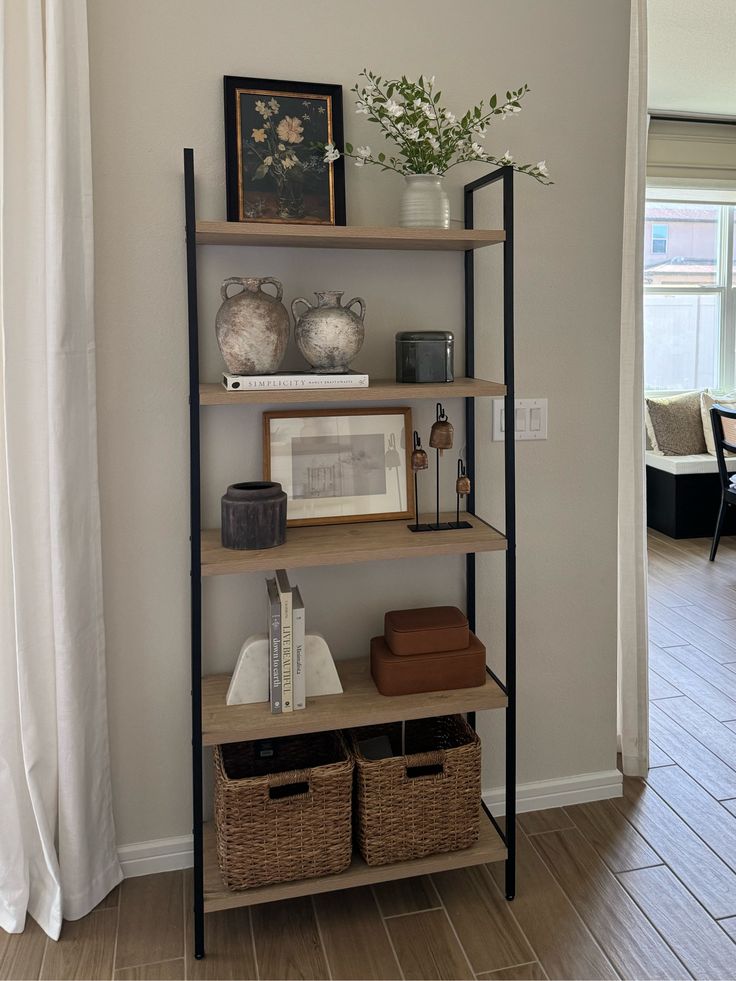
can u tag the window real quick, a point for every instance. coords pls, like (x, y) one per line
(659, 239)
(689, 296)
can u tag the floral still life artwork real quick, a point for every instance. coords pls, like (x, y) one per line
(275, 170)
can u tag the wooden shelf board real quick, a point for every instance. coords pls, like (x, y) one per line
(345, 236)
(382, 390)
(359, 704)
(489, 848)
(345, 544)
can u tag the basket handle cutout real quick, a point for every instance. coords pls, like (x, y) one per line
(289, 790)
(428, 770)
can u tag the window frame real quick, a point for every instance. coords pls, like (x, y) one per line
(725, 287)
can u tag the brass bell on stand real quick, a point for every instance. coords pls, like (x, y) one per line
(442, 432)
(462, 489)
(419, 461)
(462, 484)
(440, 439)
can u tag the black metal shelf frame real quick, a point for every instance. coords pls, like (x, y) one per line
(504, 176)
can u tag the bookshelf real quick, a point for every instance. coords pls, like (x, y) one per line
(213, 721)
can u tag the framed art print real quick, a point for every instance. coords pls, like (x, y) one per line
(274, 134)
(340, 465)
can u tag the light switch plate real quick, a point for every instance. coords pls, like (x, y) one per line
(530, 416)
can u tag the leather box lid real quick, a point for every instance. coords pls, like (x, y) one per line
(426, 630)
(442, 671)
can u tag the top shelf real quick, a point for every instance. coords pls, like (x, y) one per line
(346, 236)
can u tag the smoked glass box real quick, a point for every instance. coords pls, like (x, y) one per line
(425, 356)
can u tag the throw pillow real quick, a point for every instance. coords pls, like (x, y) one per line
(674, 424)
(708, 399)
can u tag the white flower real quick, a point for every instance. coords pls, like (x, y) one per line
(412, 133)
(433, 141)
(428, 110)
(263, 109)
(434, 169)
(430, 81)
(275, 106)
(418, 103)
(507, 158)
(480, 131)
(450, 117)
(331, 154)
(477, 150)
(394, 109)
(363, 151)
(360, 162)
(361, 107)
(542, 168)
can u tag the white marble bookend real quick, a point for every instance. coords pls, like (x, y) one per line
(249, 682)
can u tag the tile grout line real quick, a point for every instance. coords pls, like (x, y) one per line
(452, 925)
(410, 912)
(511, 967)
(387, 932)
(564, 892)
(667, 866)
(317, 924)
(253, 942)
(522, 931)
(654, 926)
(45, 950)
(117, 931)
(184, 920)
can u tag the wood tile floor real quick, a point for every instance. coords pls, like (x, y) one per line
(641, 887)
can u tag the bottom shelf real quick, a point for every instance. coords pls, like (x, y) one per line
(489, 848)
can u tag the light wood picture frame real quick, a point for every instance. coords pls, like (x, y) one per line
(341, 465)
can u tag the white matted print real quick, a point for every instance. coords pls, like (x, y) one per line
(340, 465)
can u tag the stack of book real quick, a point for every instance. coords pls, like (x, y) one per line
(287, 671)
(295, 380)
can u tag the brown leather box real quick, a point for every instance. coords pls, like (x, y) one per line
(426, 631)
(438, 671)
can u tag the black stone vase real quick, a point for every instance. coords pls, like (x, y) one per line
(254, 515)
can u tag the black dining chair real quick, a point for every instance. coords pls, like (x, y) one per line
(728, 493)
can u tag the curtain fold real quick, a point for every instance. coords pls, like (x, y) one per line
(58, 855)
(633, 662)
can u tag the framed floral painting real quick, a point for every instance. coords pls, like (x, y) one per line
(274, 135)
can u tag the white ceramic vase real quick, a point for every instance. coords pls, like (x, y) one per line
(424, 203)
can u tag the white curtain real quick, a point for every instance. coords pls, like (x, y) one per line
(633, 682)
(57, 838)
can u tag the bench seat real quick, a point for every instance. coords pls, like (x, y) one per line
(684, 493)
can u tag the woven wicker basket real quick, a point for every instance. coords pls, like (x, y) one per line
(420, 803)
(284, 811)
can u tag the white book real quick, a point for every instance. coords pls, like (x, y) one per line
(287, 682)
(292, 380)
(299, 660)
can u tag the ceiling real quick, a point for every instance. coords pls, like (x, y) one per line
(692, 56)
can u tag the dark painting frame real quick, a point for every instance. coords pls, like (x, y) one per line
(299, 188)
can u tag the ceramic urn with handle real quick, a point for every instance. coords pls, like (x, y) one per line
(252, 326)
(329, 335)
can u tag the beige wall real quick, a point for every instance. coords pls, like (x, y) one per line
(157, 72)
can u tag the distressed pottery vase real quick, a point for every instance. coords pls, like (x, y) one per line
(252, 327)
(329, 335)
(424, 203)
(254, 515)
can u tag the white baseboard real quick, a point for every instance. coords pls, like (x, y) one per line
(543, 794)
(168, 854)
(160, 855)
